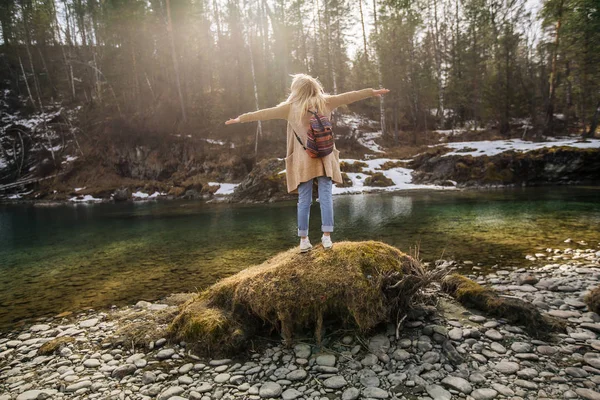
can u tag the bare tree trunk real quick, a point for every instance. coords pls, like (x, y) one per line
(26, 83)
(175, 62)
(438, 63)
(328, 47)
(379, 74)
(259, 127)
(549, 125)
(362, 23)
(594, 123)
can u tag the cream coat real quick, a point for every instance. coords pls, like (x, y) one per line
(299, 166)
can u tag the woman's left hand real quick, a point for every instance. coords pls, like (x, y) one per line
(232, 121)
(379, 92)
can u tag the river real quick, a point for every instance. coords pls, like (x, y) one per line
(73, 257)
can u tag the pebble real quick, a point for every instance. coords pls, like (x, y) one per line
(375, 393)
(270, 389)
(506, 367)
(457, 383)
(335, 382)
(326, 360)
(484, 394)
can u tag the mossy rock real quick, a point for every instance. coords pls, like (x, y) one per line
(356, 167)
(347, 182)
(349, 284)
(393, 164)
(378, 179)
(593, 300)
(54, 345)
(515, 311)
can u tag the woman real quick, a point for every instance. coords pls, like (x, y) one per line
(307, 93)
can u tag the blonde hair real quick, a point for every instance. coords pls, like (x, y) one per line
(307, 93)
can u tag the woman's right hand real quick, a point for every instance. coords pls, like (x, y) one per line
(232, 121)
(379, 92)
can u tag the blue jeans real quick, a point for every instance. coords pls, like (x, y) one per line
(305, 200)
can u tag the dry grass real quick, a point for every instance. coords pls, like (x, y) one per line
(593, 300)
(140, 327)
(516, 311)
(357, 284)
(54, 345)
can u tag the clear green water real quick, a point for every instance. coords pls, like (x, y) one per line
(71, 257)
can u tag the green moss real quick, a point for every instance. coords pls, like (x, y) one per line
(293, 290)
(471, 294)
(378, 179)
(393, 164)
(356, 166)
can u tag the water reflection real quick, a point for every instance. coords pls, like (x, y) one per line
(54, 259)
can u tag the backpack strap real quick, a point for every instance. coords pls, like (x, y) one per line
(315, 113)
(299, 141)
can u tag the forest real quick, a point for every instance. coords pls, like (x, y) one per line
(101, 76)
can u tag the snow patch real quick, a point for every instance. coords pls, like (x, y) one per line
(493, 147)
(225, 189)
(402, 178)
(85, 199)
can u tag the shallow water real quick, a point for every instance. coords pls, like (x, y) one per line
(72, 257)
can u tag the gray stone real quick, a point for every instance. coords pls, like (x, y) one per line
(370, 381)
(34, 394)
(297, 375)
(431, 357)
(270, 389)
(588, 394)
(91, 363)
(369, 360)
(457, 383)
(527, 373)
(438, 393)
(592, 359)
(379, 344)
(547, 350)
(222, 378)
(401, 355)
(148, 377)
(302, 350)
(375, 393)
(484, 394)
(456, 334)
(216, 363)
(506, 367)
(170, 392)
(290, 394)
(123, 371)
(576, 372)
(350, 394)
(185, 368)
(521, 347)
(164, 354)
(204, 387)
(79, 385)
(185, 380)
(493, 334)
(497, 347)
(335, 382)
(88, 323)
(526, 384)
(39, 328)
(503, 390)
(326, 360)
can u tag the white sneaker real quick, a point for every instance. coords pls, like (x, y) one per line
(326, 240)
(305, 245)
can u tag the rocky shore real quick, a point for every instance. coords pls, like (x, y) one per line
(442, 351)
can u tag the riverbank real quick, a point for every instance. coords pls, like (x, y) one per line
(440, 353)
(474, 164)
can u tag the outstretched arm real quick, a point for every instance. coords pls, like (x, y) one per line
(278, 112)
(350, 97)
